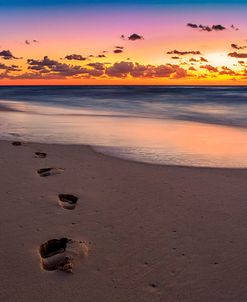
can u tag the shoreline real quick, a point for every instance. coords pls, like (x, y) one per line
(151, 232)
(93, 148)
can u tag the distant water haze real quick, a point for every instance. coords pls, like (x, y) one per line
(193, 126)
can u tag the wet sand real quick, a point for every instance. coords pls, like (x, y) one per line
(141, 232)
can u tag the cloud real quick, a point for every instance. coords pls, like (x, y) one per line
(175, 58)
(241, 63)
(192, 68)
(210, 68)
(199, 60)
(101, 56)
(57, 69)
(192, 25)
(46, 62)
(97, 65)
(217, 27)
(120, 70)
(28, 42)
(47, 68)
(135, 37)
(237, 55)
(117, 50)
(75, 57)
(9, 68)
(227, 71)
(132, 37)
(205, 28)
(7, 55)
(178, 73)
(235, 46)
(234, 28)
(183, 53)
(124, 69)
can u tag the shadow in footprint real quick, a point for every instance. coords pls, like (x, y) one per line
(59, 254)
(40, 154)
(67, 201)
(53, 247)
(44, 172)
(17, 143)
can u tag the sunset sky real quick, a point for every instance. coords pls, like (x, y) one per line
(123, 42)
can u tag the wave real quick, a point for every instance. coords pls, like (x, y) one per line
(212, 105)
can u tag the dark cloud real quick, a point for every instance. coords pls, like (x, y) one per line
(9, 68)
(241, 62)
(235, 46)
(101, 56)
(117, 50)
(199, 60)
(75, 57)
(46, 62)
(175, 58)
(217, 27)
(57, 69)
(183, 53)
(120, 70)
(192, 68)
(97, 65)
(124, 69)
(210, 68)
(234, 28)
(132, 37)
(135, 37)
(227, 71)
(192, 25)
(28, 42)
(178, 72)
(205, 28)
(7, 55)
(237, 55)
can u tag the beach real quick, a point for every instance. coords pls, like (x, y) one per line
(151, 232)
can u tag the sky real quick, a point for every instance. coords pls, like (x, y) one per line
(183, 42)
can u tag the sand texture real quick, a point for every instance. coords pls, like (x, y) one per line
(133, 232)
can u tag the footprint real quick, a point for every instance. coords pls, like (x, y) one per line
(67, 201)
(44, 172)
(60, 254)
(40, 154)
(17, 143)
(53, 247)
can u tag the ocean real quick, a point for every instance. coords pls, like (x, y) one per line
(172, 125)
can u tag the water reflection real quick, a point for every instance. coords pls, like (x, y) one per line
(151, 140)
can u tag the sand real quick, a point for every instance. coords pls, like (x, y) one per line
(151, 233)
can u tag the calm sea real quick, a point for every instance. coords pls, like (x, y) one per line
(195, 126)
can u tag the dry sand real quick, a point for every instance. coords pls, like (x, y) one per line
(154, 233)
